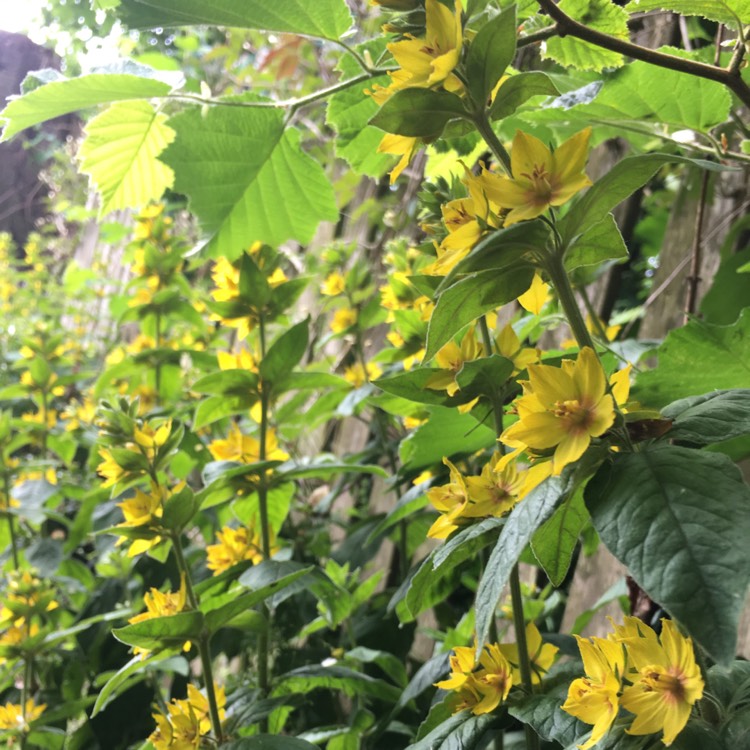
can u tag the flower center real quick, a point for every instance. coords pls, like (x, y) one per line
(576, 415)
(541, 180)
(669, 683)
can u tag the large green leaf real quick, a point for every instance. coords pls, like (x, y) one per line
(472, 297)
(162, 632)
(711, 418)
(119, 154)
(350, 110)
(490, 53)
(728, 12)
(601, 15)
(602, 241)
(696, 359)
(518, 89)
(462, 731)
(520, 525)
(247, 179)
(418, 112)
(328, 19)
(349, 682)
(54, 95)
(679, 519)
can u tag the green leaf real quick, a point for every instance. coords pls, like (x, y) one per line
(255, 291)
(419, 112)
(696, 359)
(733, 13)
(518, 89)
(427, 586)
(119, 154)
(215, 408)
(162, 632)
(180, 509)
(306, 679)
(600, 242)
(606, 193)
(492, 50)
(59, 96)
(520, 525)
(555, 540)
(472, 297)
(227, 383)
(446, 433)
(274, 577)
(349, 112)
(727, 297)
(247, 179)
(325, 465)
(327, 19)
(486, 376)
(679, 519)
(284, 354)
(412, 385)
(462, 731)
(711, 418)
(269, 742)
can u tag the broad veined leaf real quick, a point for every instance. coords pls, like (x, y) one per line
(696, 359)
(58, 95)
(328, 19)
(679, 519)
(462, 731)
(520, 525)
(247, 179)
(120, 155)
(711, 418)
(729, 12)
(419, 112)
(601, 15)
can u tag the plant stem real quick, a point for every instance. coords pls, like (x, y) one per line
(519, 623)
(9, 516)
(485, 130)
(203, 641)
(555, 267)
(157, 340)
(566, 26)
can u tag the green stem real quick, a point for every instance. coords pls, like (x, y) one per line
(519, 623)
(28, 676)
(9, 516)
(203, 641)
(45, 410)
(485, 130)
(555, 267)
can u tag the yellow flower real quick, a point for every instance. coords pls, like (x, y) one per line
(333, 285)
(235, 546)
(14, 718)
(493, 681)
(593, 699)
(343, 319)
(462, 665)
(245, 449)
(562, 409)
(669, 681)
(541, 655)
(496, 490)
(535, 297)
(399, 145)
(241, 360)
(109, 469)
(358, 375)
(227, 280)
(450, 500)
(541, 178)
(451, 359)
(161, 604)
(509, 346)
(186, 721)
(430, 61)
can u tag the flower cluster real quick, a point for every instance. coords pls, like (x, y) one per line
(481, 688)
(657, 679)
(161, 604)
(186, 721)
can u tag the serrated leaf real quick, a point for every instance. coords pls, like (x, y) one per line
(120, 155)
(247, 179)
(601, 15)
(520, 525)
(679, 519)
(696, 359)
(490, 53)
(418, 112)
(60, 96)
(555, 540)
(729, 12)
(327, 19)
(711, 418)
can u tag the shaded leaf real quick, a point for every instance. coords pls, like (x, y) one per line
(418, 112)
(711, 418)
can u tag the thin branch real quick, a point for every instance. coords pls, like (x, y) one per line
(567, 26)
(694, 278)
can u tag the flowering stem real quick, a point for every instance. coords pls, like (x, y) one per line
(519, 622)
(555, 267)
(203, 641)
(485, 130)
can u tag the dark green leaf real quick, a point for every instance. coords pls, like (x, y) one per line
(711, 418)
(487, 376)
(518, 89)
(349, 682)
(679, 519)
(269, 742)
(462, 731)
(254, 288)
(162, 632)
(418, 112)
(285, 353)
(490, 53)
(179, 510)
(727, 297)
(555, 540)
(412, 385)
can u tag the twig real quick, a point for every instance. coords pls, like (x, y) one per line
(693, 278)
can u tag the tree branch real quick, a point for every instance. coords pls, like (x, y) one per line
(567, 26)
